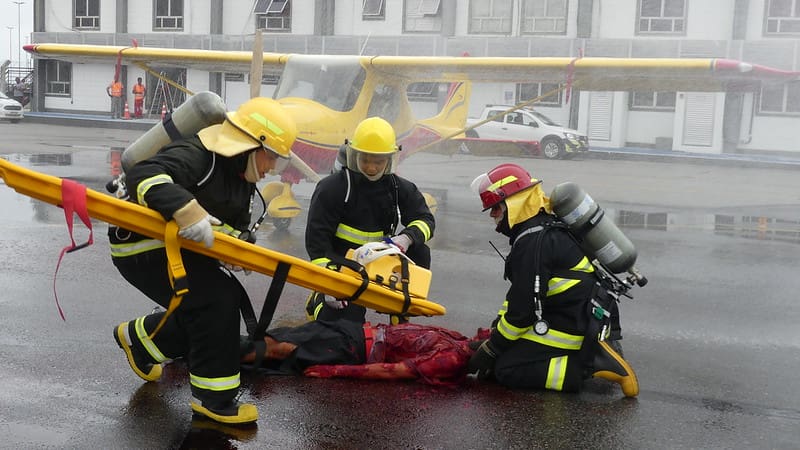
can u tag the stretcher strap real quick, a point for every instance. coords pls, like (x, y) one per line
(73, 200)
(177, 273)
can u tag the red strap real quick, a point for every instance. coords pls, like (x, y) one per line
(571, 74)
(73, 200)
(369, 339)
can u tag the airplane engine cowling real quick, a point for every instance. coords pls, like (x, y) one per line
(197, 112)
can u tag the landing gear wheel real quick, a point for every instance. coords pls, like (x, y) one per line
(552, 149)
(281, 223)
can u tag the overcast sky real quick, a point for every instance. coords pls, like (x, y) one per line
(8, 18)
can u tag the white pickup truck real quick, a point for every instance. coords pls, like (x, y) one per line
(525, 124)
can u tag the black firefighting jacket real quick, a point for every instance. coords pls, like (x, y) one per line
(184, 170)
(567, 281)
(347, 210)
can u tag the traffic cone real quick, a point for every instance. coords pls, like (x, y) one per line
(163, 111)
(126, 115)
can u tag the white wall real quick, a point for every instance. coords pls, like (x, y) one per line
(645, 126)
(89, 83)
(706, 19)
(238, 18)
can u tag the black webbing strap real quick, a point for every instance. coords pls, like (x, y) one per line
(268, 311)
(355, 267)
(404, 280)
(170, 128)
(256, 329)
(580, 233)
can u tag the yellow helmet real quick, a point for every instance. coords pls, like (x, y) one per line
(373, 136)
(259, 122)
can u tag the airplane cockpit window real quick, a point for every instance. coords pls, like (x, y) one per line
(333, 81)
(385, 102)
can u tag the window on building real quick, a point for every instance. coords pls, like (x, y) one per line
(57, 78)
(273, 15)
(651, 101)
(529, 91)
(372, 10)
(544, 17)
(782, 17)
(490, 16)
(168, 15)
(87, 14)
(423, 16)
(661, 17)
(782, 99)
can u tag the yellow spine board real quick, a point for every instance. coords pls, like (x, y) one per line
(145, 221)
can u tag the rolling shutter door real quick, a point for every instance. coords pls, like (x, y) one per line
(698, 128)
(600, 115)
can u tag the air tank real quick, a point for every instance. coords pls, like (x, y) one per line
(597, 235)
(199, 111)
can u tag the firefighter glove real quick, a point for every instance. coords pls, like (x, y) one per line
(481, 364)
(195, 223)
(402, 241)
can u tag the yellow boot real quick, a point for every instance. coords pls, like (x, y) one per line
(609, 365)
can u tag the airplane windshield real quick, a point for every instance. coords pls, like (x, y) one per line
(334, 81)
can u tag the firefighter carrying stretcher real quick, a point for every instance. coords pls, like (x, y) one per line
(205, 183)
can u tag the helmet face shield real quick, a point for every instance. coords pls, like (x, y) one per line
(373, 149)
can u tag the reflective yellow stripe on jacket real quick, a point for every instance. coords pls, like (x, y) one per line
(357, 236)
(146, 184)
(135, 248)
(215, 384)
(557, 285)
(553, 337)
(423, 227)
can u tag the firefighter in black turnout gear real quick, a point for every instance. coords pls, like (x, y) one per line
(204, 183)
(364, 202)
(548, 332)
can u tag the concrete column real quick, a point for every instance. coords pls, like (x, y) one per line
(122, 17)
(448, 10)
(740, 19)
(584, 22)
(324, 15)
(216, 17)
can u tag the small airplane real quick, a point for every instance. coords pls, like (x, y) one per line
(328, 95)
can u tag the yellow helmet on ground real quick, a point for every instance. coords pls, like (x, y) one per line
(259, 122)
(373, 136)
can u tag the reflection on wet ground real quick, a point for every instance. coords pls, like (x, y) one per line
(745, 226)
(96, 168)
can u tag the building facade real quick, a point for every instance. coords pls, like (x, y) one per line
(756, 31)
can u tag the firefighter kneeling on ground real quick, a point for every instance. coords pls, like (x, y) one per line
(205, 183)
(365, 202)
(547, 333)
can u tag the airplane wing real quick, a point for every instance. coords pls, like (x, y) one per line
(588, 73)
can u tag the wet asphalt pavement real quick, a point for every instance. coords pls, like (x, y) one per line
(713, 336)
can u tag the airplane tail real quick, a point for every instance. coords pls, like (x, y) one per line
(453, 115)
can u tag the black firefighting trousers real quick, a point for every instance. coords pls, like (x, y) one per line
(205, 327)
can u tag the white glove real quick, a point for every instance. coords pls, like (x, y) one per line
(402, 241)
(195, 223)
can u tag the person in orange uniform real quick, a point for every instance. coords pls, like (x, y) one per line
(114, 90)
(139, 91)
